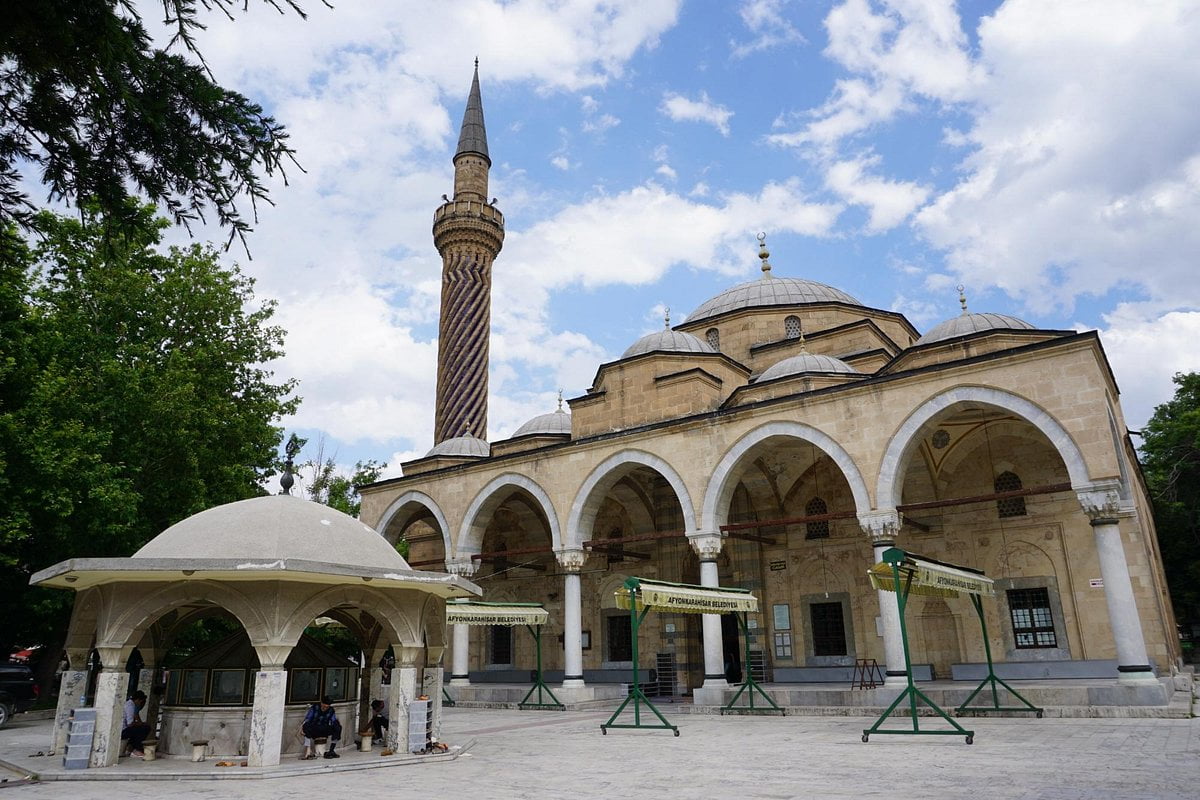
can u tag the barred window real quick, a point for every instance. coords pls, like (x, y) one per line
(620, 638)
(1009, 506)
(828, 629)
(1032, 619)
(791, 327)
(501, 644)
(714, 338)
(816, 530)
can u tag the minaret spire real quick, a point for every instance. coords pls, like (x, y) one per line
(468, 232)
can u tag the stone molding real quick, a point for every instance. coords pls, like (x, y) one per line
(880, 524)
(707, 544)
(462, 567)
(572, 560)
(1102, 501)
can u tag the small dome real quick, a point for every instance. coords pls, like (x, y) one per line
(670, 341)
(770, 291)
(806, 362)
(267, 530)
(465, 445)
(556, 422)
(967, 323)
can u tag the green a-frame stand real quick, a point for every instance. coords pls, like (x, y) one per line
(992, 680)
(636, 695)
(539, 684)
(750, 687)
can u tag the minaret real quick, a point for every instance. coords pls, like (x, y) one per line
(468, 232)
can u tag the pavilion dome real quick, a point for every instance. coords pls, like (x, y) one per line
(669, 341)
(460, 446)
(805, 363)
(967, 323)
(273, 529)
(556, 422)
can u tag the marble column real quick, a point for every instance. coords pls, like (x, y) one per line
(708, 547)
(431, 687)
(112, 686)
(71, 688)
(572, 562)
(460, 661)
(266, 717)
(145, 683)
(1104, 506)
(403, 691)
(883, 527)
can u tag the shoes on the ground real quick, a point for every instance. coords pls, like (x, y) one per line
(377, 740)
(307, 756)
(331, 754)
(137, 754)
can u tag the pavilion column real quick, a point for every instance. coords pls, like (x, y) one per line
(431, 687)
(460, 649)
(371, 683)
(708, 546)
(1104, 507)
(266, 717)
(403, 691)
(71, 688)
(883, 527)
(572, 562)
(145, 683)
(112, 686)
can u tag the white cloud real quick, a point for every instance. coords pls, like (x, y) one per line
(888, 202)
(601, 123)
(683, 109)
(561, 162)
(666, 171)
(768, 24)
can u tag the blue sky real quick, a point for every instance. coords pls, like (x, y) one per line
(1046, 155)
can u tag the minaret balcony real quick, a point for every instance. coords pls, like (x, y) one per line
(468, 209)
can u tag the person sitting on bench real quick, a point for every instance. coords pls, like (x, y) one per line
(133, 729)
(321, 720)
(379, 721)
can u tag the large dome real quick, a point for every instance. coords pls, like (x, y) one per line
(556, 422)
(770, 291)
(268, 530)
(465, 445)
(967, 323)
(670, 341)
(806, 362)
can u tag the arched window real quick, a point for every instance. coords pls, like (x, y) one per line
(816, 530)
(1009, 506)
(791, 327)
(714, 338)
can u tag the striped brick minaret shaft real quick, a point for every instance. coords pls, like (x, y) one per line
(468, 232)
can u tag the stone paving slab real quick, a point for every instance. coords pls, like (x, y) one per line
(550, 755)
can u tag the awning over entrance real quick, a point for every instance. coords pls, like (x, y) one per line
(682, 598)
(924, 576)
(496, 614)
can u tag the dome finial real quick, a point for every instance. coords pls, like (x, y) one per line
(803, 344)
(288, 479)
(962, 299)
(560, 399)
(764, 254)
(666, 316)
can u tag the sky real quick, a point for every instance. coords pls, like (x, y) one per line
(1044, 155)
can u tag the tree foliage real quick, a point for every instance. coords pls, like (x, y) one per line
(1171, 459)
(89, 103)
(337, 490)
(132, 394)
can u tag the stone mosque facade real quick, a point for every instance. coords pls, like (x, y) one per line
(779, 440)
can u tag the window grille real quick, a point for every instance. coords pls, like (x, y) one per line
(791, 327)
(1032, 619)
(816, 530)
(828, 629)
(619, 639)
(501, 648)
(714, 338)
(1009, 506)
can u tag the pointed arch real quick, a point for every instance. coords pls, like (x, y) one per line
(489, 498)
(605, 476)
(908, 435)
(724, 478)
(430, 505)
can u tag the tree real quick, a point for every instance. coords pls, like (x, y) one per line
(335, 489)
(87, 100)
(1171, 459)
(132, 394)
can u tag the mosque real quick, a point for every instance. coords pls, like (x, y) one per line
(780, 439)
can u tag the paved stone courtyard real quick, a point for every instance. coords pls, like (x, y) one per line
(549, 755)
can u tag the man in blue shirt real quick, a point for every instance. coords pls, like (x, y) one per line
(133, 729)
(321, 720)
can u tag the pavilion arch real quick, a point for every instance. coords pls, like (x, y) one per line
(391, 615)
(421, 499)
(601, 479)
(908, 435)
(490, 498)
(130, 623)
(724, 479)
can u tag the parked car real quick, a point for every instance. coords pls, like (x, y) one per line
(18, 692)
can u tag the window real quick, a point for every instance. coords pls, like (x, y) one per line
(816, 530)
(500, 637)
(619, 638)
(228, 687)
(714, 338)
(828, 629)
(791, 327)
(1009, 506)
(1032, 619)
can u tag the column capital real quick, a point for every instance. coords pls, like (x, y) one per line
(271, 657)
(707, 544)
(1102, 501)
(571, 559)
(462, 567)
(407, 655)
(880, 524)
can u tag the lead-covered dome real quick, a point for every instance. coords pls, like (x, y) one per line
(770, 291)
(806, 363)
(459, 446)
(669, 341)
(270, 530)
(556, 422)
(968, 323)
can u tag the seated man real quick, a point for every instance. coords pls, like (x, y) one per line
(133, 729)
(321, 720)
(379, 721)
